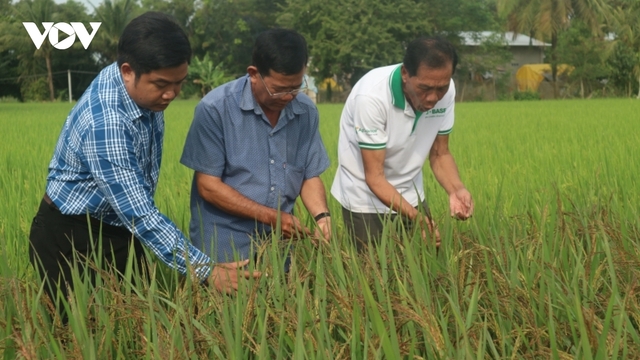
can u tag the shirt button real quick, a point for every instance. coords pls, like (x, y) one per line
(273, 188)
(271, 134)
(272, 161)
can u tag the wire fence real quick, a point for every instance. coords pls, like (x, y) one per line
(17, 79)
(22, 77)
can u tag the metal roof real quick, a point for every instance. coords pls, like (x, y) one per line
(475, 38)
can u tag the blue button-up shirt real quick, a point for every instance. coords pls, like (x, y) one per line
(107, 163)
(232, 139)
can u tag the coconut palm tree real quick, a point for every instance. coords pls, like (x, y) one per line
(114, 16)
(545, 19)
(15, 37)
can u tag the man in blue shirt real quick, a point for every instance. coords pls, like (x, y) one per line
(255, 147)
(105, 168)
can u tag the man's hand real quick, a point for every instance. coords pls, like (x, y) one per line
(428, 229)
(292, 228)
(225, 276)
(323, 231)
(461, 204)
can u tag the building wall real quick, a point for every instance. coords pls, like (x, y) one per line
(523, 55)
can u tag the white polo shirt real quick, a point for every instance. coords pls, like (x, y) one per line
(377, 116)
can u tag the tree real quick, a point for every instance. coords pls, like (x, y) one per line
(81, 61)
(20, 58)
(485, 61)
(206, 75)
(181, 10)
(350, 37)
(546, 19)
(347, 38)
(16, 39)
(621, 63)
(8, 61)
(626, 24)
(114, 16)
(226, 30)
(587, 54)
(466, 15)
(220, 30)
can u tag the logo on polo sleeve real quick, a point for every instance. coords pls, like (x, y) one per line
(366, 131)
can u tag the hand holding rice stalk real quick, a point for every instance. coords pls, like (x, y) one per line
(461, 204)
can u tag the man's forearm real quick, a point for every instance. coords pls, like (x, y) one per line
(445, 171)
(229, 200)
(390, 196)
(313, 196)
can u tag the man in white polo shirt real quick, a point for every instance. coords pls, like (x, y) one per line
(395, 118)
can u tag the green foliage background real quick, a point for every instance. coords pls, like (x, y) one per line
(346, 38)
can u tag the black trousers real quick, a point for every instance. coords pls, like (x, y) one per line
(58, 242)
(364, 228)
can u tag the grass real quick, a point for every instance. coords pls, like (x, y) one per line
(548, 267)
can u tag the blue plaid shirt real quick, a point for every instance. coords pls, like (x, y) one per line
(107, 163)
(231, 138)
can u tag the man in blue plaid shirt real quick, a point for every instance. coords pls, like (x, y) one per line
(105, 168)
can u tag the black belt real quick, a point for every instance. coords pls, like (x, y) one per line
(49, 202)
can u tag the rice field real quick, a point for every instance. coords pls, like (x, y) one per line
(548, 267)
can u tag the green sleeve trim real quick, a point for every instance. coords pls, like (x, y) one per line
(445, 132)
(372, 146)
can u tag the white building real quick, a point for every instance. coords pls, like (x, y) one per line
(525, 50)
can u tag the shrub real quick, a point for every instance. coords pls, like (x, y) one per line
(526, 95)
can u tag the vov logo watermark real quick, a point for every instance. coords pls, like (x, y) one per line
(70, 29)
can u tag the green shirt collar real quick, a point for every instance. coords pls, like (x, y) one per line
(395, 83)
(397, 96)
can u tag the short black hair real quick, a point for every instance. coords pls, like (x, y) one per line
(281, 50)
(153, 41)
(432, 51)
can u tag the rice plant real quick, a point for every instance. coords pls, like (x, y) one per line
(548, 267)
